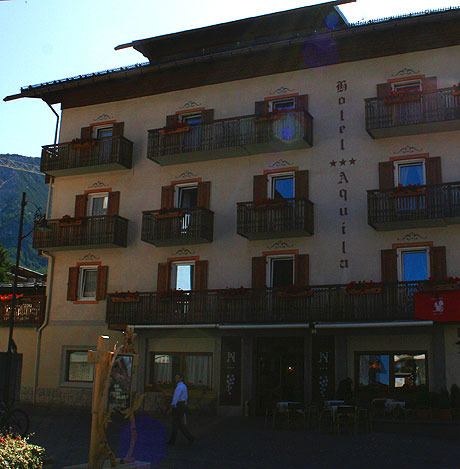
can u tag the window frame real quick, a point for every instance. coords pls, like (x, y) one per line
(273, 102)
(90, 205)
(178, 190)
(414, 162)
(404, 84)
(193, 115)
(399, 255)
(274, 257)
(274, 176)
(174, 264)
(82, 269)
(182, 356)
(391, 372)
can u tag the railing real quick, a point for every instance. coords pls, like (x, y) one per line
(100, 230)
(328, 303)
(433, 106)
(105, 151)
(255, 220)
(29, 311)
(440, 201)
(184, 226)
(233, 132)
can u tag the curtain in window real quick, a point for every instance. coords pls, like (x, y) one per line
(198, 369)
(162, 369)
(411, 174)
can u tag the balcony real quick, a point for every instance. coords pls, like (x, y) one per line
(286, 218)
(328, 303)
(29, 310)
(102, 231)
(107, 154)
(184, 226)
(435, 111)
(228, 138)
(435, 205)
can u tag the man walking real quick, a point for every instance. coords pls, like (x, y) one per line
(178, 411)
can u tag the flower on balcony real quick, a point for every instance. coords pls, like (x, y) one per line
(272, 115)
(267, 203)
(449, 283)
(456, 89)
(125, 297)
(294, 291)
(67, 220)
(175, 127)
(234, 292)
(10, 297)
(162, 295)
(363, 287)
(402, 96)
(84, 142)
(410, 189)
(168, 212)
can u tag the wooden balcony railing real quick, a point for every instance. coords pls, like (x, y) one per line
(435, 111)
(433, 205)
(328, 303)
(286, 218)
(102, 231)
(185, 226)
(108, 154)
(237, 136)
(29, 311)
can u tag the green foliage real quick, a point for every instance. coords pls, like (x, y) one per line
(5, 265)
(12, 184)
(17, 453)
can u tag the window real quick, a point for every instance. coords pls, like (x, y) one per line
(195, 367)
(410, 172)
(407, 86)
(192, 138)
(413, 264)
(77, 368)
(280, 271)
(287, 104)
(187, 196)
(88, 283)
(182, 275)
(102, 132)
(385, 371)
(98, 204)
(281, 186)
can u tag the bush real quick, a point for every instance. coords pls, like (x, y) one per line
(17, 453)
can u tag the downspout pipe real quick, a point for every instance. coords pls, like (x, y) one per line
(49, 280)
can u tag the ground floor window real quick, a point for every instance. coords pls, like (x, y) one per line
(195, 367)
(77, 367)
(385, 371)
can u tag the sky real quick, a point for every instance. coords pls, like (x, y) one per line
(44, 40)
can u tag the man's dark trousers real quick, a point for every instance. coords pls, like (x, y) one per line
(178, 413)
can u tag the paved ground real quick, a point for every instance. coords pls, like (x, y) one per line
(239, 442)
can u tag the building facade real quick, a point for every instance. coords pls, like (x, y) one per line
(265, 211)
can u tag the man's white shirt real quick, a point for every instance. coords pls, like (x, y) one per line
(180, 394)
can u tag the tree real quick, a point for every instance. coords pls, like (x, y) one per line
(5, 265)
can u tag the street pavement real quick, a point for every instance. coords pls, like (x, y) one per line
(239, 442)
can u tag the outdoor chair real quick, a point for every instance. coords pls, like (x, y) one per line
(326, 419)
(312, 415)
(346, 418)
(296, 414)
(364, 419)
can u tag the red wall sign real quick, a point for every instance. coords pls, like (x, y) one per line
(438, 306)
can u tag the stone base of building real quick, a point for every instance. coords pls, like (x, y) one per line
(66, 397)
(128, 465)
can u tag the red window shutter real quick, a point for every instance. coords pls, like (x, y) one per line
(301, 184)
(163, 276)
(383, 89)
(172, 119)
(389, 265)
(301, 102)
(207, 116)
(204, 193)
(80, 205)
(429, 84)
(201, 275)
(433, 170)
(438, 263)
(167, 197)
(86, 132)
(386, 175)
(259, 272)
(72, 284)
(260, 187)
(118, 128)
(301, 275)
(114, 203)
(101, 287)
(261, 107)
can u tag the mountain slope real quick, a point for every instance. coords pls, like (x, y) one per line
(12, 184)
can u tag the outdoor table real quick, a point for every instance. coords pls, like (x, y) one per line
(283, 406)
(335, 402)
(390, 404)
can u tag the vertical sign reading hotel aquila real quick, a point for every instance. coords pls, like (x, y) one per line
(230, 371)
